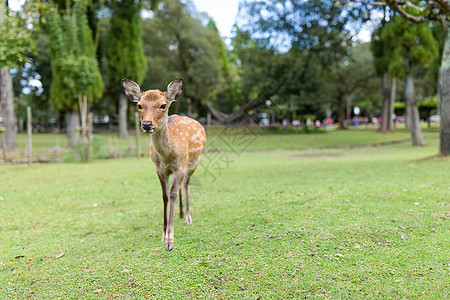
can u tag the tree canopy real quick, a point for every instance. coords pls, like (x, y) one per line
(16, 32)
(124, 49)
(409, 45)
(181, 45)
(74, 65)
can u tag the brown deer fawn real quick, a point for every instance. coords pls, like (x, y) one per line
(175, 148)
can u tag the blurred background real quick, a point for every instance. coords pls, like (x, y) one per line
(278, 66)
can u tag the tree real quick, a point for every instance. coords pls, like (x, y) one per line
(422, 12)
(379, 49)
(346, 78)
(15, 43)
(304, 38)
(288, 79)
(180, 42)
(410, 45)
(125, 54)
(75, 70)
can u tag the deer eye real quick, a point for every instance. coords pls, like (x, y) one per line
(139, 106)
(162, 106)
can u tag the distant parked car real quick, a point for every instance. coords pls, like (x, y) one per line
(435, 118)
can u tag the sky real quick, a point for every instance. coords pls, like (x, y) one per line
(223, 12)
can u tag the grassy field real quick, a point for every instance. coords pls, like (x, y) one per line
(274, 223)
(107, 145)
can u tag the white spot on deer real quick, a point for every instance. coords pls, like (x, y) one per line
(195, 149)
(181, 133)
(195, 136)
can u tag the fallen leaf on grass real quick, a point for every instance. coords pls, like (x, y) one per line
(59, 255)
(404, 237)
(19, 256)
(242, 288)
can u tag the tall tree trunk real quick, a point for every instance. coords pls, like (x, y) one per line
(385, 104)
(444, 131)
(82, 102)
(407, 115)
(414, 120)
(73, 122)
(123, 116)
(391, 108)
(341, 112)
(349, 110)
(7, 104)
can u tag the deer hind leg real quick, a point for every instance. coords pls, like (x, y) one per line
(187, 217)
(164, 180)
(177, 181)
(181, 205)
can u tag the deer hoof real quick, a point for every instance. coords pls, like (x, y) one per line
(169, 246)
(188, 220)
(181, 215)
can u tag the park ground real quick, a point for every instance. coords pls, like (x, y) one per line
(274, 216)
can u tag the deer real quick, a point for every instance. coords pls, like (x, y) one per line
(175, 148)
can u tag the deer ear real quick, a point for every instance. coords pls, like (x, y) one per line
(131, 89)
(175, 89)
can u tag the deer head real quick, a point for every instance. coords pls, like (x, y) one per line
(153, 105)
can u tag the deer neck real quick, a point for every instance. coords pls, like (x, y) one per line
(162, 142)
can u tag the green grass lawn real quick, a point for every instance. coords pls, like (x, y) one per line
(280, 223)
(106, 145)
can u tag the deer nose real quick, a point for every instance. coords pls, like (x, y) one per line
(147, 125)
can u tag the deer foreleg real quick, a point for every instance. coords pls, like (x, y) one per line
(164, 180)
(181, 205)
(177, 182)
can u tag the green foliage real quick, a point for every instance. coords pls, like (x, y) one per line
(124, 45)
(16, 40)
(300, 53)
(74, 66)
(288, 78)
(429, 103)
(409, 45)
(315, 25)
(354, 77)
(378, 47)
(178, 44)
(399, 106)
